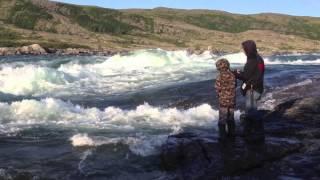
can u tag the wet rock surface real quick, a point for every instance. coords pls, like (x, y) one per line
(291, 148)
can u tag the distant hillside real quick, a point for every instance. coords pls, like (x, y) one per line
(60, 25)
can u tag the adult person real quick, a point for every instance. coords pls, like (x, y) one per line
(252, 75)
(252, 88)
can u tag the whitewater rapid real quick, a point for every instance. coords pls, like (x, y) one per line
(46, 84)
(118, 74)
(49, 111)
(113, 75)
(138, 123)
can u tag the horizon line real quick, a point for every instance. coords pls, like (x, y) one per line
(190, 9)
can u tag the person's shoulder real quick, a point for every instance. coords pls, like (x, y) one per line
(260, 58)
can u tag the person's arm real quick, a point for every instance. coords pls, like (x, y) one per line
(218, 85)
(232, 83)
(237, 73)
(248, 73)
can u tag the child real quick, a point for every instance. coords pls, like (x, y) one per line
(226, 91)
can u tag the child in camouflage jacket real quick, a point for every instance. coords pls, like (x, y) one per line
(226, 90)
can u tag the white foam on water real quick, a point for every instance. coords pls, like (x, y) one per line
(49, 111)
(237, 58)
(32, 80)
(146, 146)
(113, 75)
(240, 58)
(295, 62)
(143, 145)
(118, 74)
(83, 158)
(81, 140)
(142, 69)
(26, 114)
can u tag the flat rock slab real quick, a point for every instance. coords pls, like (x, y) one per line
(196, 156)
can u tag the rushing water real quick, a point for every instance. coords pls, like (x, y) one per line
(70, 117)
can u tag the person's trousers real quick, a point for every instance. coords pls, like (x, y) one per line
(226, 114)
(252, 98)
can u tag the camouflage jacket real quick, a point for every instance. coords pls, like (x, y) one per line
(226, 89)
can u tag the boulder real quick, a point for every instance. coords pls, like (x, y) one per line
(71, 51)
(37, 49)
(196, 156)
(305, 109)
(291, 148)
(199, 52)
(190, 51)
(51, 50)
(24, 50)
(76, 51)
(5, 51)
(34, 49)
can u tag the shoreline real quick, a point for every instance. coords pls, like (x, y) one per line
(36, 50)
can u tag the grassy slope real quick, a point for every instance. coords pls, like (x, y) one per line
(63, 25)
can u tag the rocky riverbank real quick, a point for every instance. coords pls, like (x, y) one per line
(36, 49)
(291, 148)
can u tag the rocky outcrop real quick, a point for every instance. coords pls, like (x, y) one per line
(76, 51)
(81, 51)
(34, 49)
(193, 156)
(291, 148)
(306, 109)
(7, 51)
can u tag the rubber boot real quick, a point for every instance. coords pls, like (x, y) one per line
(245, 125)
(231, 129)
(222, 132)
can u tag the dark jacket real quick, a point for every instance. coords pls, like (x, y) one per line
(253, 72)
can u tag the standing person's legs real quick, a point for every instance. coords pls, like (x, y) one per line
(252, 98)
(231, 123)
(223, 117)
(252, 122)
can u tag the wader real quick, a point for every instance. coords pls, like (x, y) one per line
(251, 121)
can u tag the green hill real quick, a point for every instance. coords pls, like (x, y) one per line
(60, 25)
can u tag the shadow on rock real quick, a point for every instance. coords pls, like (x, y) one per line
(290, 150)
(196, 156)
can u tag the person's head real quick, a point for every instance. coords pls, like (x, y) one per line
(223, 65)
(250, 48)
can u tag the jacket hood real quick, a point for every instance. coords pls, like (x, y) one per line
(223, 65)
(250, 48)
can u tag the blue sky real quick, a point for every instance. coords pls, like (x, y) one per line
(293, 7)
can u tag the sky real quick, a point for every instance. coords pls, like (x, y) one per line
(291, 7)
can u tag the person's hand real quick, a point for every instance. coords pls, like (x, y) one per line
(234, 72)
